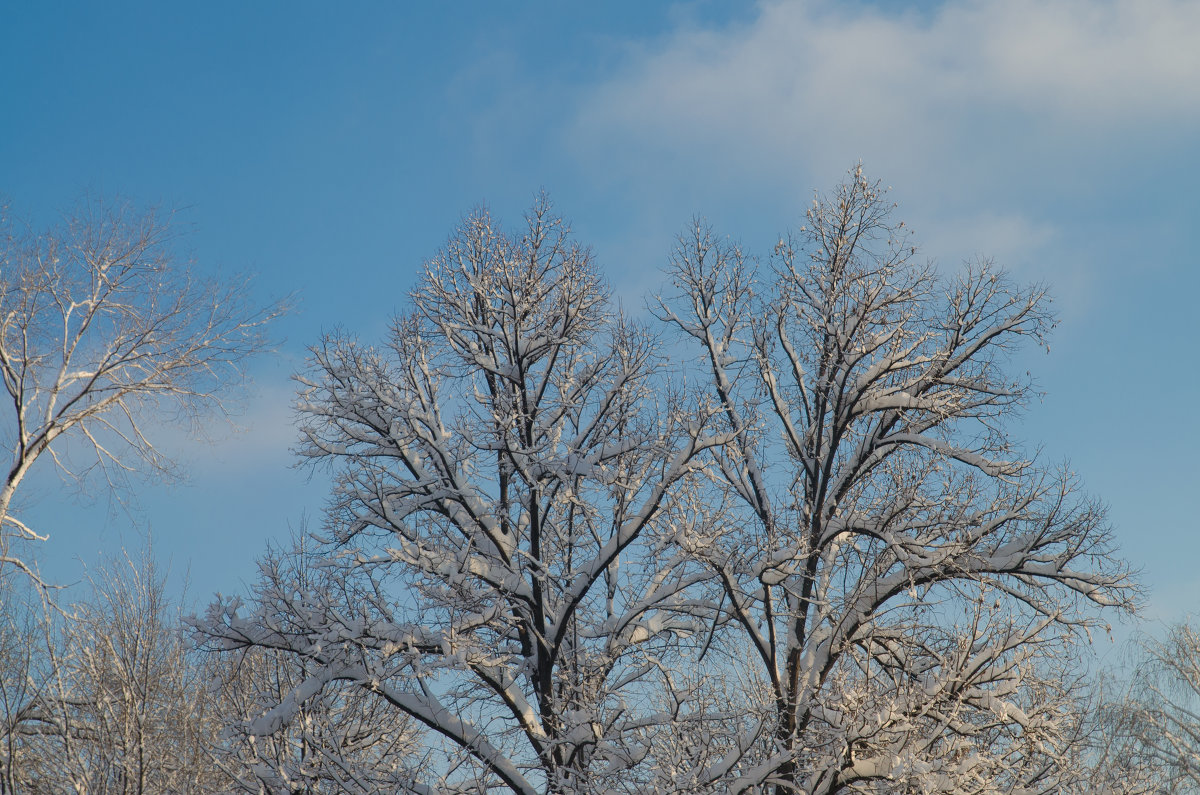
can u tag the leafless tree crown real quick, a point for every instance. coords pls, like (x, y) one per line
(102, 332)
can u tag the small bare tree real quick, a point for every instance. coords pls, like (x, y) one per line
(1157, 723)
(113, 701)
(102, 330)
(24, 681)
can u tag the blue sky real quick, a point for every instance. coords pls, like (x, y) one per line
(330, 148)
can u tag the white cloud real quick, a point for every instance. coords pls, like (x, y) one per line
(807, 73)
(256, 438)
(1005, 237)
(984, 114)
(1118, 62)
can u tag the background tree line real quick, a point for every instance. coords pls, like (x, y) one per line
(780, 538)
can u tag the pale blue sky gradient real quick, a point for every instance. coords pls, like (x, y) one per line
(330, 148)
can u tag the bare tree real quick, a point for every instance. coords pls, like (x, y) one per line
(115, 703)
(908, 585)
(1157, 722)
(101, 329)
(23, 681)
(506, 467)
(106, 696)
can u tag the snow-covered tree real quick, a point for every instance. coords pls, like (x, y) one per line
(818, 563)
(101, 329)
(508, 467)
(907, 584)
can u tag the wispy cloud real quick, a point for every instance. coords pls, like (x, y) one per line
(808, 78)
(986, 115)
(256, 438)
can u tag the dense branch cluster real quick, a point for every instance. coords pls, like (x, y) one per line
(505, 464)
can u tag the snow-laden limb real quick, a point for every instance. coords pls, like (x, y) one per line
(291, 722)
(508, 465)
(902, 576)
